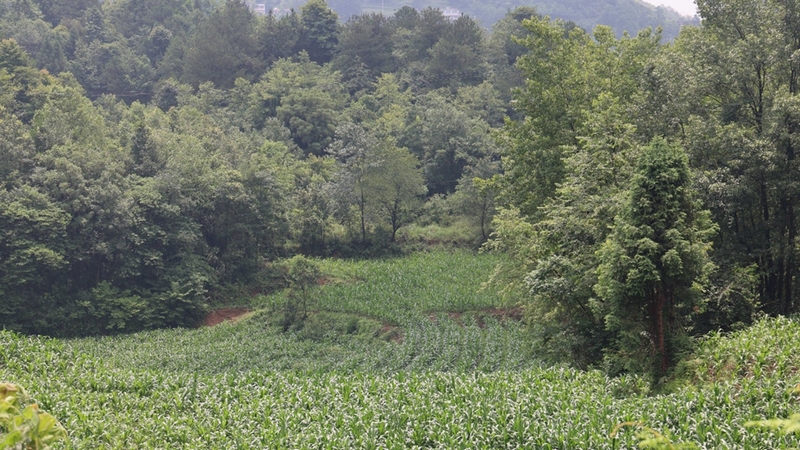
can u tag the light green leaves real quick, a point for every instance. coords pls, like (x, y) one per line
(28, 428)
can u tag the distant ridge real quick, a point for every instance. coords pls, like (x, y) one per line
(621, 15)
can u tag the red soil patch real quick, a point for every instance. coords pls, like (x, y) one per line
(218, 316)
(391, 332)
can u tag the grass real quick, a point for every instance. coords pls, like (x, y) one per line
(465, 383)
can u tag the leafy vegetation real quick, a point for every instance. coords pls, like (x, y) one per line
(25, 427)
(594, 108)
(161, 158)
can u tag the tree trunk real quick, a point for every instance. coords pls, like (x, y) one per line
(770, 289)
(362, 207)
(658, 317)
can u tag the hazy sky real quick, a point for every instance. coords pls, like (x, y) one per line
(686, 7)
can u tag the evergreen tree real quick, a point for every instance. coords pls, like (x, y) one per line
(223, 48)
(366, 39)
(320, 31)
(654, 263)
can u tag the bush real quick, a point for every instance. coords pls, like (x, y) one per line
(25, 427)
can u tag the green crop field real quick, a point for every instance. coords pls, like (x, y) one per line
(453, 373)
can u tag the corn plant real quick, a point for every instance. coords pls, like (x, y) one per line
(451, 381)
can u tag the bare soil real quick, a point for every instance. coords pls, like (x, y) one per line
(391, 333)
(218, 316)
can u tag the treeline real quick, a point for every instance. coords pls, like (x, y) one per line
(652, 189)
(620, 15)
(155, 155)
(138, 49)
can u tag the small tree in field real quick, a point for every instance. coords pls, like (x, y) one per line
(302, 276)
(654, 263)
(398, 187)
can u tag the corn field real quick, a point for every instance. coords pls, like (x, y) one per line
(466, 382)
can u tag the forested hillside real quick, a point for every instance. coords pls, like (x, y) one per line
(162, 157)
(621, 15)
(157, 156)
(439, 235)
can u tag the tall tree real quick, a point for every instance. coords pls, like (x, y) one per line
(565, 72)
(357, 151)
(447, 141)
(366, 38)
(398, 186)
(654, 264)
(113, 68)
(279, 37)
(566, 164)
(56, 11)
(223, 47)
(306, 98)
(554, 255)
(21, 84)
(320, 31)
(459, 57)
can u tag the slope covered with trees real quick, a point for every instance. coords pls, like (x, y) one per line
(620, 15)
(152, 162)
(158, 157)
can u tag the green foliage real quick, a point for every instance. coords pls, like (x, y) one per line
(129, 216)
(112, 68)
(366, 39)
(302, 275)
(650, 438)
(570, 75)
(764, 350)
(448, 143)
(555, 257)
(790, 425)
(732, 300)
(399, 290)
(399, 187)
(512, 236)
(306, 98)
(22, 86)
(320, 31)
(278, 37)
(654, 263)
(223, 47)
(26, 427)
(451, 234)
(353, 191)
(741, 139)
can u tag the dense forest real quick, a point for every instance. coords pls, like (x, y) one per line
(158, 156)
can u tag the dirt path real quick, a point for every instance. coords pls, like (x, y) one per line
(218, 316)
